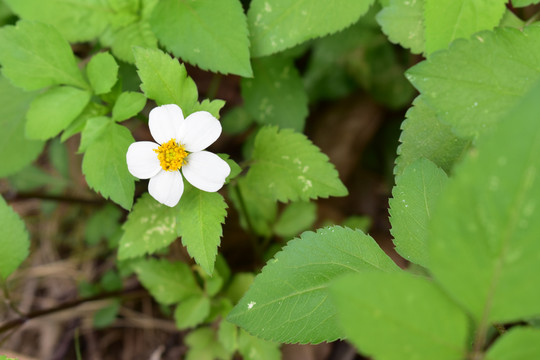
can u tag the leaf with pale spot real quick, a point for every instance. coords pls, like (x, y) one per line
(150, 226)
(288, 302)
(287, 166)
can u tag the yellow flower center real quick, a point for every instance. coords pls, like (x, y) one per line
(171, 155)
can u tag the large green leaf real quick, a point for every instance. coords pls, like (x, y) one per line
(165, 80)
(403, 22)
(276, 95)
(475, 82)
(488, 217)
(77, 20)
(520, 343)
(168, 282)
(287, 166)
(53, 111)
(210, 34)
(395, 316)
(414, 196)
(199, 219)
(276, 25)
(447, 20)
(288, 302)
(104, 163)
(16, 151)
(14, 240)
(150, 226)
(425, 136)
(35, 55)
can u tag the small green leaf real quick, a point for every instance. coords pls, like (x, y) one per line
(191, 312)
(488, 217)
(288, 302)
(414, 196)
(127, 105)
(287, 166)
(519, 343)
(77, 20)
(296, 217)
(276, 25)
(103, 224)
(236, 121)
(93, 129)
(104, 164)
(14, 240)
(106, 316)
(211, 35)
(213, 107)
(421, 320)
(102, 71)
(276, 95)
(199, 219)
(228, 335)
(252, 348)
(447, 20)
(403, 22)
(126, 38)
(425, 136)
(53, 111)
(168, 282)
(16, 151)
(203, 345)
(481, 78)
(35, 55)
(91, 110)
(165, 80)
(150, 226)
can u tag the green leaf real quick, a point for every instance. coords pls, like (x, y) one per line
(287, 166)
(106, 316)
(475, 82)
(252, 348)
(165, 80)
(236, 120)
(104, 164)
(128, 105)
(403, 22)
(93, 129)
(77, 20)
(35, 55)
(412, 311)
(203, 345)
(228, 335)
(447, 20)
(14, 240)
(213, 107)
(212, 35)
(91, 110)
(150, 226)
(102, 71)
(53, 111)
(126, 38)
(103, 224)
(276, 25)
(191, 312)
(199, 218)
(16, 151)
(296, 217)
(488, 218)
(288, 302)
(523, 3)
(519, 343)
(425, 136)
(276, 95)
(168, 282)
(414, 196)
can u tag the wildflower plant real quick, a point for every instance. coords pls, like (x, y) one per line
(123, 125)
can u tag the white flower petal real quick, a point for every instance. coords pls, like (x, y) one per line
(164, 122)
(206, 171)
(141, 160)
(198, 131)
(166, 187)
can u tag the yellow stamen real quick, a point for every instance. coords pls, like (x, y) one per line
(171, 155)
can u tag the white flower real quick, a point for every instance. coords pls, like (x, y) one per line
(180, 145)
